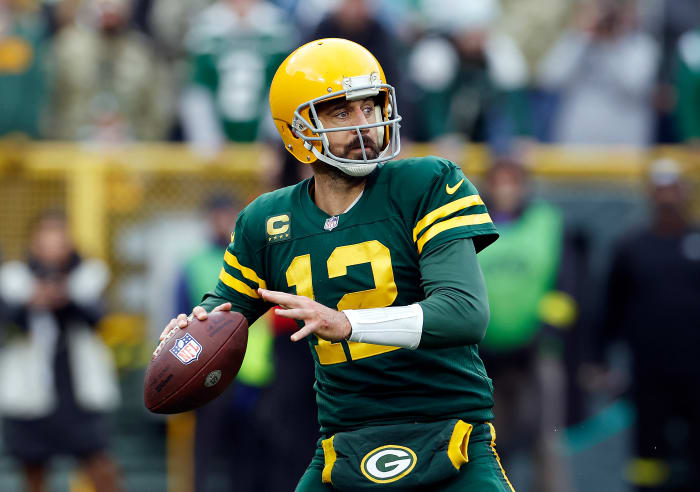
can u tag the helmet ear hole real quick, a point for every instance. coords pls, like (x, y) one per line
(292, 132)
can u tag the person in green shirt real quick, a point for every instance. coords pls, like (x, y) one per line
(219, 460)
(533, 315)
(687, 82)
(234, 48)
(376, 260)
(23, 88)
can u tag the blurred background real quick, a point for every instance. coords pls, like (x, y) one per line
(133, 131)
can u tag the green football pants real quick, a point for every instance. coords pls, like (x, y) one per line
(483, 471)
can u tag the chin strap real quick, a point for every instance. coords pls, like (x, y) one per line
(355, 169)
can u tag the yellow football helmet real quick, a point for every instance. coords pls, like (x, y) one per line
(328, 69)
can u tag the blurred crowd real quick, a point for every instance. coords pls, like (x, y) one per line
(505, 72)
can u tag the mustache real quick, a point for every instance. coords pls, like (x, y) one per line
(369, 144)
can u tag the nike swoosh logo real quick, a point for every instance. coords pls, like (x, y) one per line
(451, 189)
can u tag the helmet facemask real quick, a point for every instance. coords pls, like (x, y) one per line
(307, 125)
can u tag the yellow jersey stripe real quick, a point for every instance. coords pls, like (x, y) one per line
(248, 273)
(445, 210)
(498, 459)
(329, 458)
(237, 285)
(463, 220)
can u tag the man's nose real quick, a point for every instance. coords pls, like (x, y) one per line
(359, 117)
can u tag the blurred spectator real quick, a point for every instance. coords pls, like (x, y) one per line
(108, 85)
(534, 25)
(229, 434)
(307, 14)
(468, 75)
(652, 305)
(667, 21)
(164, 21)
(235, 48)
(687, 81)
(22, 70)
(524, 274)
(3, 314)
(603, 70)
(358, 21)
(57, 379)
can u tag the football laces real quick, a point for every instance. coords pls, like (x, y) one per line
(162, 343)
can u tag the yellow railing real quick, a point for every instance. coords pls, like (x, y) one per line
(90, 181)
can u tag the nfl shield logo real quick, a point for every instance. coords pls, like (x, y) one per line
(331, 223)
(187, 349)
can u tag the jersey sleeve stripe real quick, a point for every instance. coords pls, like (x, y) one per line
(462, 220)
(237, 285)
(248, 273)
(445, 210)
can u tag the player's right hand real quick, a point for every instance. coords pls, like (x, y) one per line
(182, 320)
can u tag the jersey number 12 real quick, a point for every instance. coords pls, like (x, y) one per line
(383, 294)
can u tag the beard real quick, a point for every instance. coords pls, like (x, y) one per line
(338, 176)
(371, 148)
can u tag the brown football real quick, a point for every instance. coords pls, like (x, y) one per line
(195, 365)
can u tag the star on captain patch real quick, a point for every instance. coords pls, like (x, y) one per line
(331, 223)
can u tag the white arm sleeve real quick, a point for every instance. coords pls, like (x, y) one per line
(397, 326)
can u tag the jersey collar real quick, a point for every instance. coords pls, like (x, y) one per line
(318, 217)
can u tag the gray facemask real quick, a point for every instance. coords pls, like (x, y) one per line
(355, 88)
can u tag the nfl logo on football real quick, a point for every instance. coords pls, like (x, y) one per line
(331, 223)
(186, 349)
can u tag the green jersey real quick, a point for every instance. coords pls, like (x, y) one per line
(367, 257)
(22, 74)
(235, 58)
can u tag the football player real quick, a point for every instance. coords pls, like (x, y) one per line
(376, 260)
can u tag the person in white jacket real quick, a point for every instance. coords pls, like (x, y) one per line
(603, 70)
(57, 379)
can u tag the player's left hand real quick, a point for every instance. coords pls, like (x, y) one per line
(325, 322)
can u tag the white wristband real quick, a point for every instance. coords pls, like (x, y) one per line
(397, 326)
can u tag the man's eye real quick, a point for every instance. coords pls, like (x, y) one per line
(368, 110)
(342, 114)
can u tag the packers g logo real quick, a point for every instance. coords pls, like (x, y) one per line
(388, 463)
